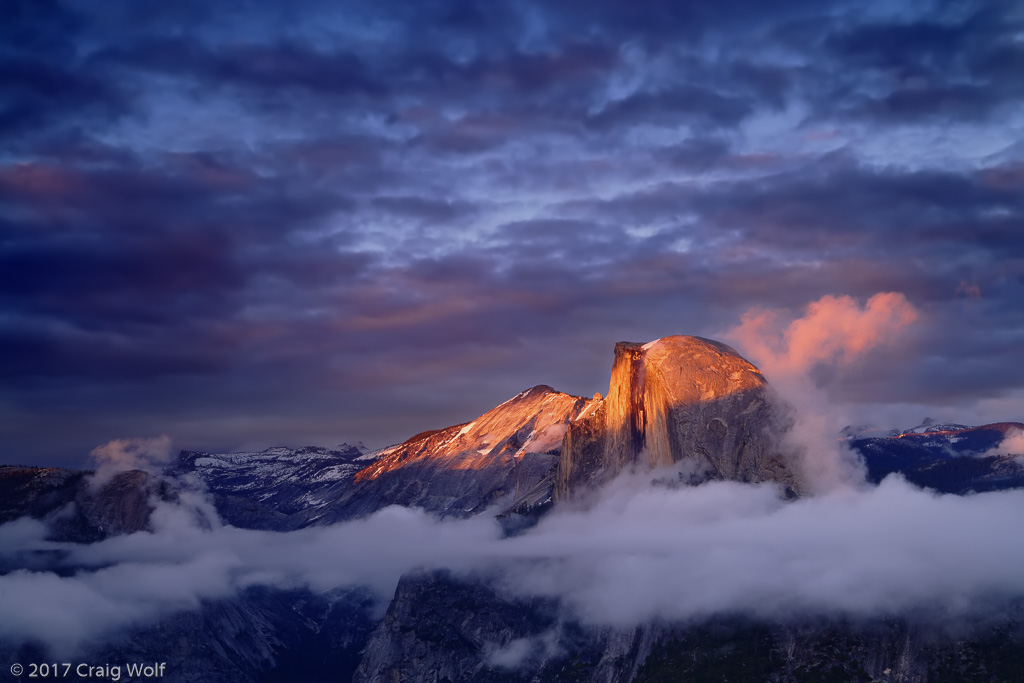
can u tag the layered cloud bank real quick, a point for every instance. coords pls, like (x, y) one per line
(727, 548)
(643, 551)
(244, 223)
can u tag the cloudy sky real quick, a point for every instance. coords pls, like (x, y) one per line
(240, 224)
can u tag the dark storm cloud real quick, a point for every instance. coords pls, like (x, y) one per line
(269, 67)
(378, 217)
(34, 93)
(665, 20)
(43, 351)
(701, 106)
(513, 71)
(695, 153)
(959, 64)
(131, 271)
(44, 84)
(423, 208)
(843, 205)
(836, 206)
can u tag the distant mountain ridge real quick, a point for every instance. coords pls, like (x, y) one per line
(949, 458)
(276, 488)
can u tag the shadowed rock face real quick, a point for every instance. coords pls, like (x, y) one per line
(78, 509)
(674, 399)
(121, 505)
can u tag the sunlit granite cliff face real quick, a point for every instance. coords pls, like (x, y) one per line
(677, 398)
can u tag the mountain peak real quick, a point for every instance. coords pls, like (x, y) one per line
(672, 399)
(682, 342)
(459, 470)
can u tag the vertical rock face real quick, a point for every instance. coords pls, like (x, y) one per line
(677, 398)
(440, 628)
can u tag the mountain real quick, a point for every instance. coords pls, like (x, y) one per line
(677, 398)
(75, 505)
(456, 471)
(278, 488)
(462, 470)
(948, 458)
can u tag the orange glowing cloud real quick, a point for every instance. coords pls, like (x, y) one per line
(835, 329)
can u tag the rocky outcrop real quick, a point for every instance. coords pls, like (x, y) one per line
(36, 491)
(77, 507)
(122, 504)
(439, 627)
(674, 399)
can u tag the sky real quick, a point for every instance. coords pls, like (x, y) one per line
(242, 224)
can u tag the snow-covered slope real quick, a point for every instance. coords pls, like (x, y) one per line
(950, 458)
(277, 488)
(456, 471)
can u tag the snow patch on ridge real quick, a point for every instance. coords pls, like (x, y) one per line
(544, 440)
(212, 462)
(591, 407)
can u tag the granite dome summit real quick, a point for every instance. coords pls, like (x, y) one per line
(678, 398)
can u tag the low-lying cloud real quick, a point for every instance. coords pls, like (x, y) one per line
(644, 551)
(1012, 444)
(726, 547)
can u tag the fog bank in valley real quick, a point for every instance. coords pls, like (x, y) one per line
(642, 551)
